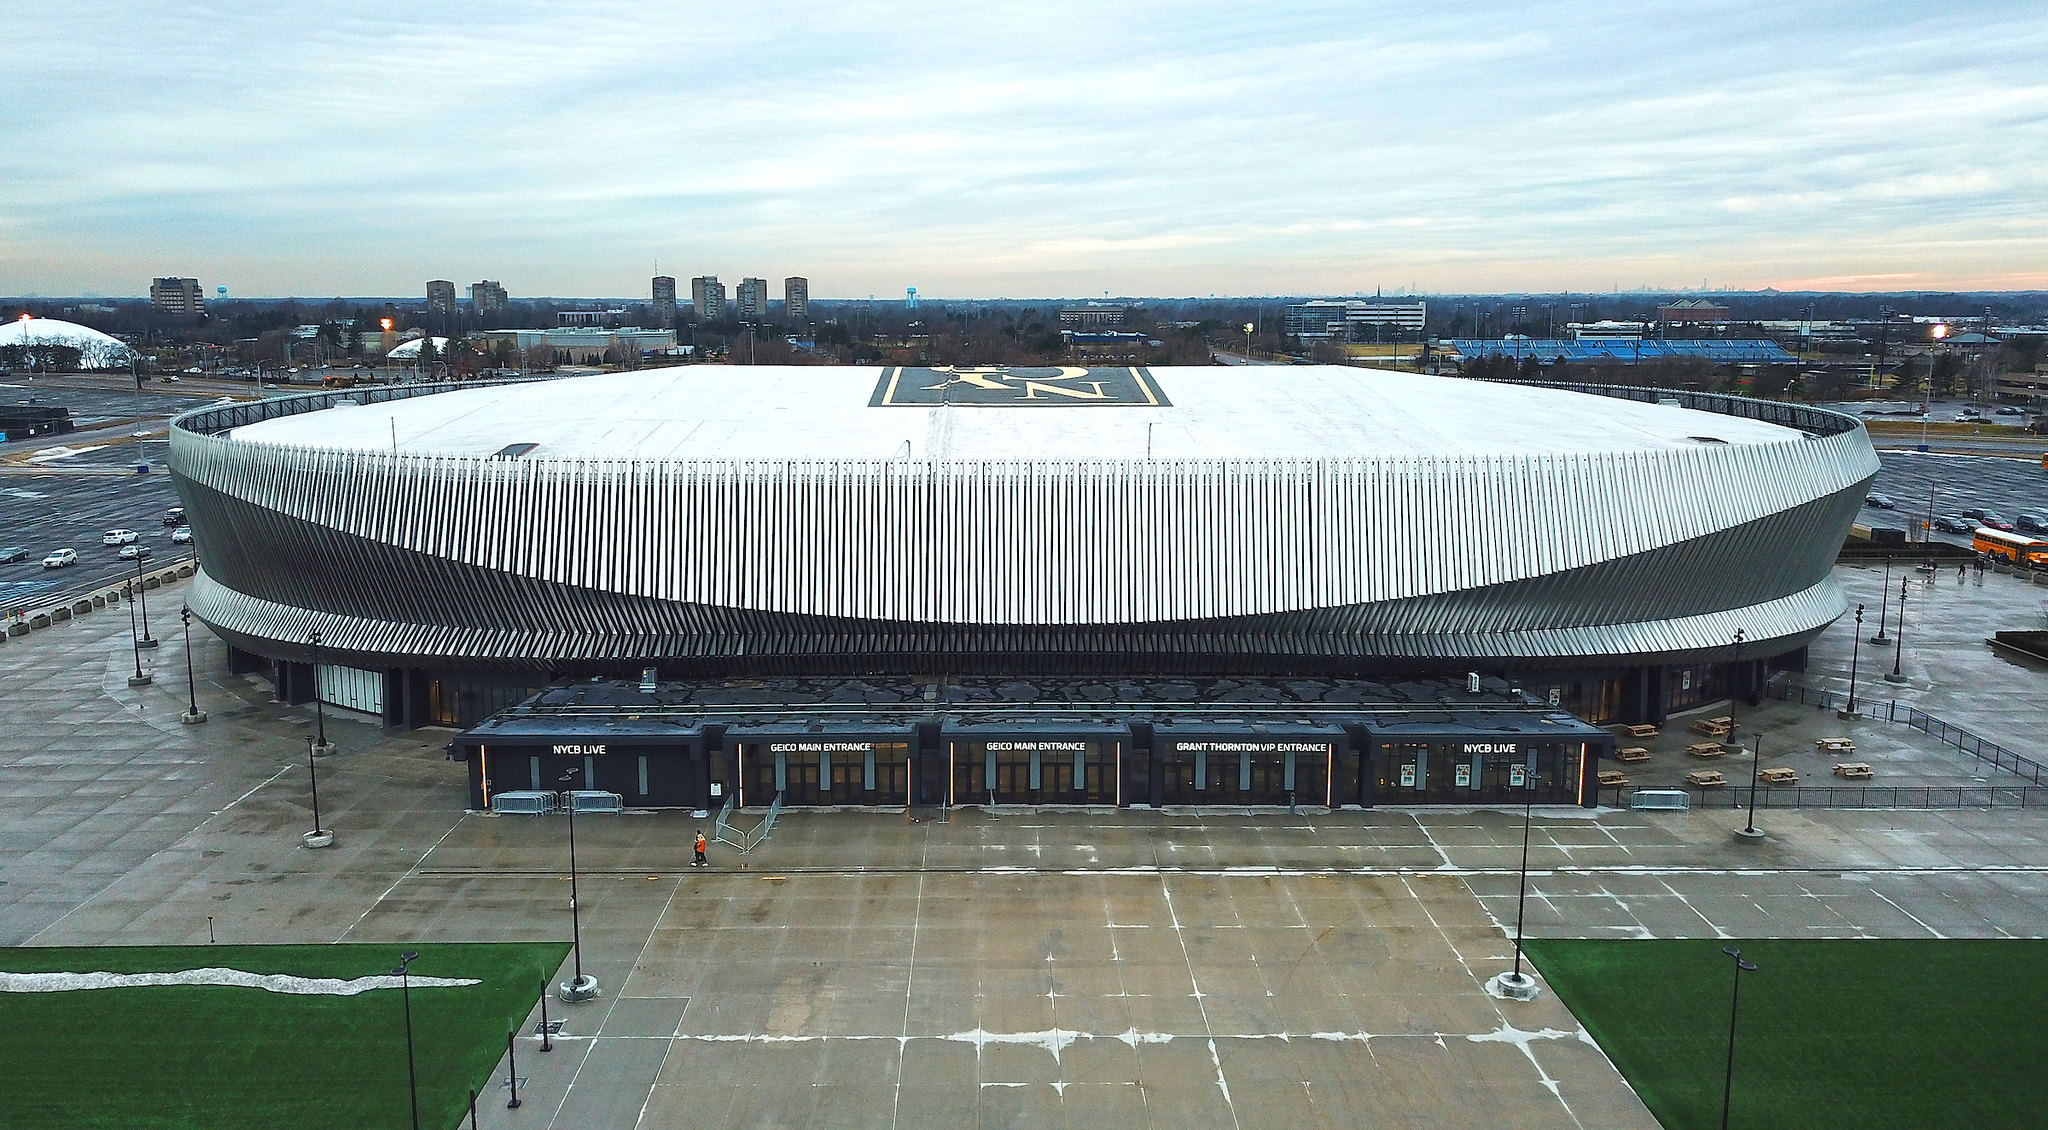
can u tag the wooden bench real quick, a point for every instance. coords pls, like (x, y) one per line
(1835, 745)
(1641, 730)
(1706, 778)
(1707, 750)
(1631, 755)
(1613, 779)
(1712, 727)
(1855, 771)
(1777, 775)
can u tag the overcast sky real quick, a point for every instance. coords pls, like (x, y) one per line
(1040, 148)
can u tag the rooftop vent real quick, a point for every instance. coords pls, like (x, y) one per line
(513, 450)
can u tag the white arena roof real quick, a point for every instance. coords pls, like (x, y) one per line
(722, 412)
(97, 350)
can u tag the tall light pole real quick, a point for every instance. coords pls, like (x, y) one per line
(1247, 341)
(584, 987)
(140, 678)
(319, 837)
(1897, 674)
(1749, 834)
(1855, 643)
(193, 715)
(412, 1074)
(1518, 985)
(1939, 331)
(146, 640)
(1733, 695)
(319, 707)
(1734, 998)
(1880, 639)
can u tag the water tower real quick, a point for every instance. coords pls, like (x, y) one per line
(220, 293)
(910, 298)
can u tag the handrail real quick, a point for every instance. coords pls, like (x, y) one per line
(64, 598)
(1937, 728)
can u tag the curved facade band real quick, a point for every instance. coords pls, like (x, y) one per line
(1536, 559)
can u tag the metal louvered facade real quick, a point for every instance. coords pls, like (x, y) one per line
(962, 566)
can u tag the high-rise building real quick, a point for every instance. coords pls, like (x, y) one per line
(174, 295)
(441, 298)
(796, 300)
(752, 299)
(707, 294)
(664, 301)
(487, 297)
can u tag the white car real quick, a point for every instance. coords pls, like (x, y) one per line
(60, 558)
(118, 537)
(182, 535)
(132, 552)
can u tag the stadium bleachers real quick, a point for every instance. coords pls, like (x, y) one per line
(1759, 351)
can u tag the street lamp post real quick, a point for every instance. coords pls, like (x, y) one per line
(1749, 834)
(412, 1074)
(1734, 998)
(1734, 668)
(1247, 341)
(319, 837)
(1897, 674)
(193, 715)
(1855, 645)
(146, 640)
(319, 707)
(1518, 985)
(140, 678)
(1881, 639)
(583, 987)
(1939, 331)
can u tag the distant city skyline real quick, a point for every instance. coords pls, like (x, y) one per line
(1052, 149)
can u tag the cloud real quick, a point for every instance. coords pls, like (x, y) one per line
(1023, 148)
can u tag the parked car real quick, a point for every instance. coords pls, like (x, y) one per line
(175, 516)
(2009, 410)
(12, 554)
(118, 537)
(59, 558)
(2034, 522)
(134, 552)
(1881, 501)
(1954, 524)
(181, 536)
(1969, 413)
(1992, 519)
(1975, 513)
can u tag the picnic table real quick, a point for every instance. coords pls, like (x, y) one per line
(1855, 771)
(1777, 775)
(1641, 730)
(1613, 779)
(1835, 745)
(1712, 727)
(1706, 778)
(1632, 754)
(1707, 750)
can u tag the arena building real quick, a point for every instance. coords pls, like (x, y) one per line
(1321, 566)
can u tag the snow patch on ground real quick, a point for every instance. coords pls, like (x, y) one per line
(213, 975)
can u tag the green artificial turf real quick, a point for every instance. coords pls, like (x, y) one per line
(1852, 1033)
(229, 1057)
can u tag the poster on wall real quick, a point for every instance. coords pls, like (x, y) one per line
(1516, 775)
(1407, 776)
(1464, 776)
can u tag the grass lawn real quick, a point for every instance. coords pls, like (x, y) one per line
(1919, 1033)
(224, 1057)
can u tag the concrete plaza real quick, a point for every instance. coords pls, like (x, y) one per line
(1010, 968)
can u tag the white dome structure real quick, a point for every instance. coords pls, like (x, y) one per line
(96, 350)
(410, 351)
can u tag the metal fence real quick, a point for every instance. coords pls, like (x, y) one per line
(724, 831)
(1875, 796)
(1904, 714)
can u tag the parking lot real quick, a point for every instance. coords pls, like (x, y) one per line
(2008, 486)
(41, 512)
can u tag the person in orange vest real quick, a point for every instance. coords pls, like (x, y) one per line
(700, 861)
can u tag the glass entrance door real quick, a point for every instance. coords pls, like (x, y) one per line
(1034, 772)
(818, 772)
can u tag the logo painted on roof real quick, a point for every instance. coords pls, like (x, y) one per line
(1064, 387)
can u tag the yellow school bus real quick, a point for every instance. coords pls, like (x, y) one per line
(2017, 548)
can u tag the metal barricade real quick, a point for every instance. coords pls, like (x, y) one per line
(595, 800)
(524, 803)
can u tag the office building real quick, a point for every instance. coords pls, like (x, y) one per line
(177, 296)
(441, 299)
(1352, 319)
(752, 300)
(487, 297)
(796, 300)
(707, 295)
(664, 302)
